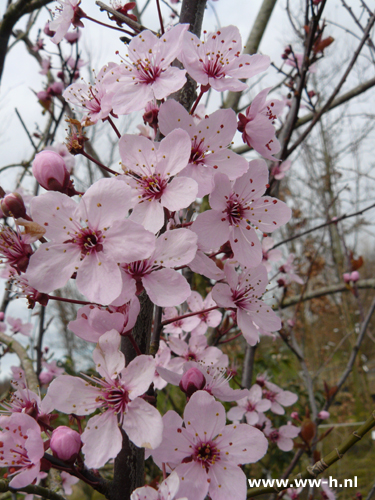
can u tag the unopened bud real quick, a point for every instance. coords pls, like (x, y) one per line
(12, 205)
(56, 88)
(323, 415)
(73, 36)
(65, 443)
(294, 415)
(47, 30)
(192, 381)
(354, 276)
(50, 171)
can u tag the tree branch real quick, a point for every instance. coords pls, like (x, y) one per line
(31, 489)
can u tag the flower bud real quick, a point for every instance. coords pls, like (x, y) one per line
(50, 171)
(295, 415)
(57, 88)
(12, 205)
(323, 415)
(193, 380)
(47, 31)
(65, 443)
(73, 36)
(354, 276)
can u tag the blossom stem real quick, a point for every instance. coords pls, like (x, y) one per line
(110, 121)
(164, 471)
(109, 26)
(98, 163)
(72, 301)
(203, 91)
(230, 340)
(169, 321)
(160, 17)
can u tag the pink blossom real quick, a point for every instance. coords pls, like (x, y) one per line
(12, 205)
(296, 60)
(323, 415)
(257, 126)
(93, 321)
(167, 490)
(151, 168)
(146, 73)
(210, 141)
(250, 407)
(242, 294)
(269, 255)
(75, 64)
(192, 381)
(163, 285)
(181, 326)
(46, 66)
(22, 447)
(70, 13)
(51, 371)
(288, 269)
(163, 359)
(207, 319)
(92, 248)
(278, 397)
(50, 171)
(94, 99)
(283, 437)
(217, 61)
(205, 453)
(117, 395)
(216, 379)
(279, 171)
(65, 443)
(351, 277)
(15, 249)
(62, 150)
(196, 350)
(234, 208)
(19, 327)
(73, 36)
(67, 482)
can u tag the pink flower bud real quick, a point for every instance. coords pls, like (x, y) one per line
(323, 415)
(47, 31)
(50, 171)
(193, 380)
(2, 315)
(73, 36)
(354, 276)
(56, 88)
(45, 377)
(12, 205)
(346, 277)
(295, 415)
(65, 443)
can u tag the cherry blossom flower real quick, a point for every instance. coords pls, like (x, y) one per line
(250, 407)
(217, 61)
(279, 171)
(205, 453)
(62, 150)
(216, 379)
(283, 436)
(278, 397)
(93, 321)
(94, 99)
(117, 395)
(269, 255)
(19, 327)
(165, 287)
(288, 270)
(15, 248)
(196, 350)
(180, 327)
(210, 138)
(146, 73)
(234, 208)
(51, 370)
(296, 60)
(21, 447)
(242, 293)
(163, 359)
(67, 482)
(70, 13)
(167, 490)
(207, 319)
(257, 126)
(92, 248)
(151, 167)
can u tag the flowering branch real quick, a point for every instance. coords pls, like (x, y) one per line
(31, 489)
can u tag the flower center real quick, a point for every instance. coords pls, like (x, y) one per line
(153, 187)
(147, 72)
(235, 211)
(206, 453)
(274, 436)
(89, 241)
(270, 395)
(116, 398)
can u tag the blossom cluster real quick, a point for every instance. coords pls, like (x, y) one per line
(131, 234)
